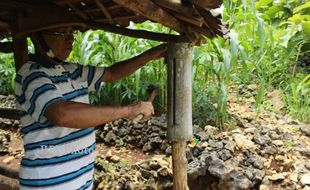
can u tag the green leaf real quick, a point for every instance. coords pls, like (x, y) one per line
(261, 31)
(302, 7)
(263, 3)
(306, 28)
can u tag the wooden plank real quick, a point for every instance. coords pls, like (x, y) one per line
(211, 4)
(20, 46)
(11, 113)
(179, 165)
(138, 33)
(175, 7)
(197, 21)
(153, 12)
(104, 11)
(80, 13)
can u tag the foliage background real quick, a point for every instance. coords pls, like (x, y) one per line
(267, 41)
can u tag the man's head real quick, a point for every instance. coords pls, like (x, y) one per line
(56, 42)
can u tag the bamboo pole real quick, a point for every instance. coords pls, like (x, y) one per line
(179, 108)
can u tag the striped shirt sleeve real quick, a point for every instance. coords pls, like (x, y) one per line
(39, 92)
(93, 75)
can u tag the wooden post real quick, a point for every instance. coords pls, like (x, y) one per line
(179, 108)
(20, 46)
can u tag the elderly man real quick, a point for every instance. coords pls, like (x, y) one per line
(58, 127)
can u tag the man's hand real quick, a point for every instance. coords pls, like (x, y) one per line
(144, 108)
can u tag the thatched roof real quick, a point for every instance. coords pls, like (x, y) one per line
(190, 19)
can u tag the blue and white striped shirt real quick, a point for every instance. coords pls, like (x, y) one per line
(55, 157)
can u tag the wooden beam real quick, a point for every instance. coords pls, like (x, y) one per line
(6, 47)
(78, 11)
(104, 11)
(175, 7)
(11, 113)
(153, 12)
(119, 19)
(20, 46)
(60, 2)
(4, 24)
(210, 4)
(194, 20)
(138, 33)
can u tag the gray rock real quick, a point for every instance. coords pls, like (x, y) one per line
(218, 168)
(123, 131)
(251, 130)
(269, 150)
(225, 154)
(305, 130)
(110, 138)
(258, 176)
(202, 136)
(163, 172)
(258, 164)
(207, 157)
(274, 136)
(243, 142)
(229, 146)
(307, 165)
(264, 130)
(276, 177)
(239, 181)
(288, 137)
(168, 151)
(196, 169)
(262, 140)
(146, 173)
(147, 147)
(216, 144)
(278, 143)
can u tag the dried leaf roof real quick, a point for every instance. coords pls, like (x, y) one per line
(190, 19)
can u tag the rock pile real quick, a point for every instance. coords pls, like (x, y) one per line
(150, 174)
(4, 142)
(8, 102)
(257, 157)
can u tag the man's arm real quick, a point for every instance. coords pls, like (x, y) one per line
(127, 67)
(79, 115)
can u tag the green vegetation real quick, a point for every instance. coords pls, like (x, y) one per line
(265, 43)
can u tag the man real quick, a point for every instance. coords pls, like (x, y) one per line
(58, 127)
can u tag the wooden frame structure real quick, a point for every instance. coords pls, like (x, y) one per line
(189, 19)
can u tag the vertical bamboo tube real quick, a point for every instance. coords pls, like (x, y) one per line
(179, 60)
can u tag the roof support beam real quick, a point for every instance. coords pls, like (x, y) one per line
(208, 3)
(152, 12)
(20, 46)
(138, 33)
(104, 10)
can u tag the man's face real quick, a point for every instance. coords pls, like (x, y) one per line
(60, 41)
